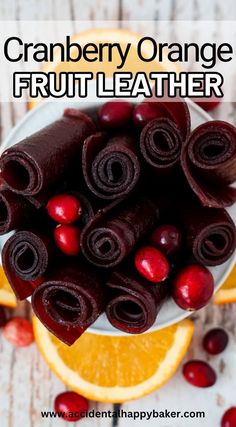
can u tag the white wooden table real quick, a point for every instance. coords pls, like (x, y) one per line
(27, 386)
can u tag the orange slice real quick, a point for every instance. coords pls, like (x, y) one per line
(7, 296)
(116, 368)
(132, 64)
(227, 293)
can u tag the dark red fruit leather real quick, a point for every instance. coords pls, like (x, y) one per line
(15, 211)
(209, 162)
(134, 303)
(175, 109)
(111, 167)
(38, 162)
(160, 145)
(210, 233)
(69, 301)
(114, 231)
(26, 257)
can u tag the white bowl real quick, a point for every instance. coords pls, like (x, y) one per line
(46, 113)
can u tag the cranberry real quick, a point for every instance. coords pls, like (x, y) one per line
(64, 208)
(199, 373)
(151, 264)
(215, 341)
(19, 332)
(229, 418)
(167, 238)
(72, 404)
(3, 317)
(193, 287)
(144, 113)
(114, 114)
(67, 238)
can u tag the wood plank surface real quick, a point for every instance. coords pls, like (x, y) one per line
(27, 386)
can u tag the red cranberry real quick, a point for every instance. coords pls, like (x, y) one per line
(67, 238)
(215, 341)
(229, 418)
(72, 404)
(144, 113)
(114, 114)
(193, 287)
(19, 332)
(151, 264)
(64, 208)
(167, 238)
(199, 373)
(3, 317)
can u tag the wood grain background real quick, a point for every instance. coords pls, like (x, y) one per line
(27, 386)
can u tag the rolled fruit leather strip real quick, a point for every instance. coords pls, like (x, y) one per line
(210, 233)
(88, 206)
(26, 258)
(115, 230)
(133, 303)
(37, 163)
(175, 109)
(111, 166)
(209, 163)
(160, 144)
(15, 211)
(70, 301)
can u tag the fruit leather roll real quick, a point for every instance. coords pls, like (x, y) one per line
(110, 165)
(114, 231)
(26, 257)
(69, 301)
(88, 205)
(133, 303)
(175, 109)
(210, 233)
(160, 145)
(209, 162)
(38, 162)
(15, 211)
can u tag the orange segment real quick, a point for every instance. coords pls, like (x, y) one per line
(227, 293)
(7, 296)
(116, 368)
(132, 64)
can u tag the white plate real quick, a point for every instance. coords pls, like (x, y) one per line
(46, 113)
